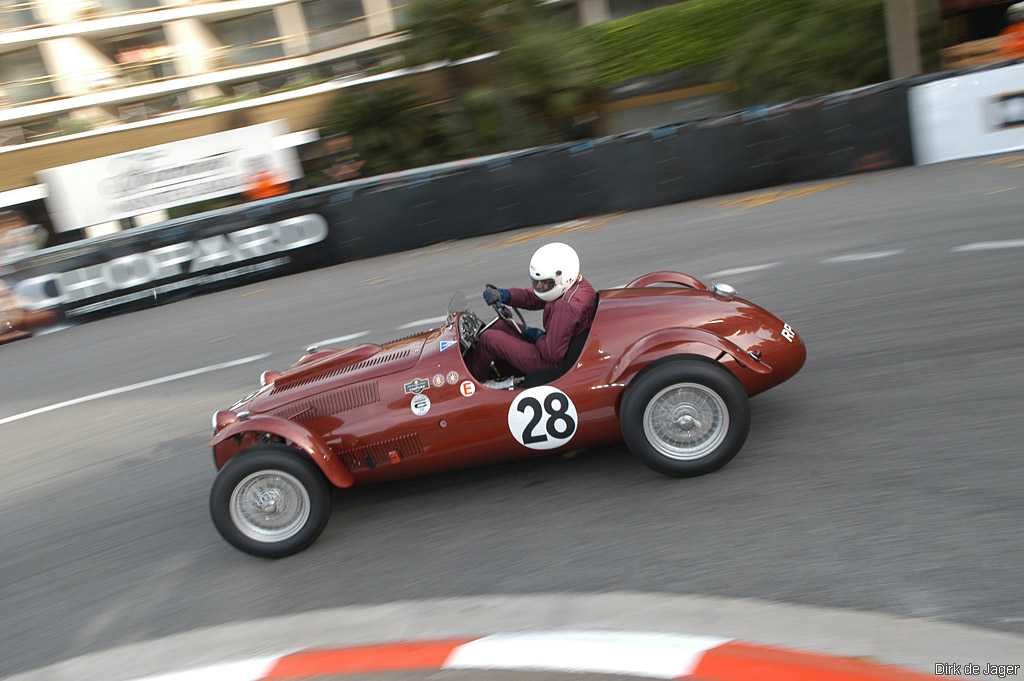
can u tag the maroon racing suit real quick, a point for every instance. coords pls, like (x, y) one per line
(564, 318)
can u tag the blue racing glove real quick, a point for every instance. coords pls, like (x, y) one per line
(492, 296)
(532, 333)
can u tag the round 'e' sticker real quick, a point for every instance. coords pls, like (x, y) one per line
(542, 418)
(420, 404)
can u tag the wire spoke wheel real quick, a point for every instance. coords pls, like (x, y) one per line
(685, 417)
(270, 501)
(686, 421)
(269, 506)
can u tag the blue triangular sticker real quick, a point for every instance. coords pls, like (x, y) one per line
(446, 344)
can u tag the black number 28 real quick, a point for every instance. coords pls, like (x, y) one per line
(556, 405)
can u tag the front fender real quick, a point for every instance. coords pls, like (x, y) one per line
(674, 338)
(301, 437)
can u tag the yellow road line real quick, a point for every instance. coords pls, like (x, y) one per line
(252, 293)
(1008, 159)
(1000, 191)
(474, 264)
(373, 281)
(588, 225)
(765, 198)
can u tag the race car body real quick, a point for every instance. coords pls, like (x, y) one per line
(667, 369)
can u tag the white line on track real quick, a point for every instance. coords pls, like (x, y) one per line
(422, 322)
(134, 386)
(53, 329)
(741, 270)
(341, 339)
(854, 257)
(989, 245)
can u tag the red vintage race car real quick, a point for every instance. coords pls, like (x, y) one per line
(667, 366)
(16, 322)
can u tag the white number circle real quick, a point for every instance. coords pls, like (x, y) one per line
(542, 418)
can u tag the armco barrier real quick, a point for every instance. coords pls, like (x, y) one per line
(851, 132)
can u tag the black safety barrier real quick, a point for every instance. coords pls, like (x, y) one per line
(805, 140)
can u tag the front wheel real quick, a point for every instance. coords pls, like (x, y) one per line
(685, 417)
(270, 501)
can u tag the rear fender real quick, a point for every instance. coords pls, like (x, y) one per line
(681, 341)
(302, 438)
(667, 277)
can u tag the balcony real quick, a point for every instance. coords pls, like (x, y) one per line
(92, 20)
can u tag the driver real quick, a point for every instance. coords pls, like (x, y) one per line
(569, 303)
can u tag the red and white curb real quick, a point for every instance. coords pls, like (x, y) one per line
(650, 655)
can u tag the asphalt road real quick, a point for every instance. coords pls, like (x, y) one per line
(886, 476)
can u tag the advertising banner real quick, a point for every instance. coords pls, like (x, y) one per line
(146, 180)
(975, 114)
(146, 267)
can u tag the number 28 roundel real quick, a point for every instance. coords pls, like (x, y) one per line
(542, 418)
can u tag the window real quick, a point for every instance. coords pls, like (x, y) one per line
(333, 23)
(126, 6)
(249, 39)
(16, 14)
(625, 8)
(24, 78)
(141, 57)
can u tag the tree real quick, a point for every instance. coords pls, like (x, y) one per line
(539, 69)
(551, 69)
(449, 30)
(392, 127)
(835, 45)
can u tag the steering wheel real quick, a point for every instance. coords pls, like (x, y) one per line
(505, 312)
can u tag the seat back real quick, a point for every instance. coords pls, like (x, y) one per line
(544, 376)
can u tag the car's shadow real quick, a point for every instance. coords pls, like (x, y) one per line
(600, 463)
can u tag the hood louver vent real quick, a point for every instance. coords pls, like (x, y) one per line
(381, 358)
(359, 458)
(331, 403)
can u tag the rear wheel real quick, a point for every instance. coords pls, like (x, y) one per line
(270, 501)
(685, 417)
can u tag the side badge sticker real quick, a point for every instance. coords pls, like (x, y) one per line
(416, 386)
(467, 388)
(542, 418)
(438, 381)
(447, 344)
(420, 405)
(453, 377)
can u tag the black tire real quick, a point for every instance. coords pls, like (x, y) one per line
(286, 475)
(704, 417)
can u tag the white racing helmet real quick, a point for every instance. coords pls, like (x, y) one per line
(554, 268)
(1015, 13)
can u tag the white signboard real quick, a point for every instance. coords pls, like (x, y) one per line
(971, 115)
(136, 182)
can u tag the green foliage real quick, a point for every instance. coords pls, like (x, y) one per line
(438, 30)
(391, 127)
(549, 68)
(835, 45)
(541, 68)
(772, 50)
(668, 38)
(769, 52)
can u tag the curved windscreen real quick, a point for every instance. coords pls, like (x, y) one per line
(457, 305)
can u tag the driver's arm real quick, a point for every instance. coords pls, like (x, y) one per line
(524, 299)
(562, 324)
